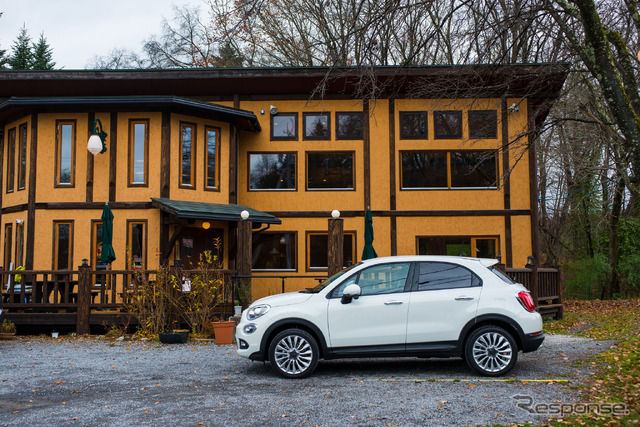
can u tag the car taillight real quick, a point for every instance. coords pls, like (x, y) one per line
(526, 301)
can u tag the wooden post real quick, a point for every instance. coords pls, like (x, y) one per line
(335, 246)
(84, 298)
(244, 254)
(534, 284)
(560, 285)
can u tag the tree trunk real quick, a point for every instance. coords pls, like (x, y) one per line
(613, 283)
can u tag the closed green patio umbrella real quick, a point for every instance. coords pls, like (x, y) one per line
(107, 256)
(368, 252)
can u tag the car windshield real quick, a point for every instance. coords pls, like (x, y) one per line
(501, 275)
(329, 281)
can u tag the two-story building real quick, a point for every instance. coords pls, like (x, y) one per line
(443, 156)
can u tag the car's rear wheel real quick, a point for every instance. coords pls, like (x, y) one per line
(491, 351)
(293, 353)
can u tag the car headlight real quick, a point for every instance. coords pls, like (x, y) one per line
(257, 310)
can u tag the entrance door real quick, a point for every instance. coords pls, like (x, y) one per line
(194, 241)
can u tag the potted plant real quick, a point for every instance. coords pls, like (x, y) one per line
(7, 329)
(223, 331)
(237, 308)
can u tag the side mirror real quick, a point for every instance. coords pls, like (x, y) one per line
(351, 292)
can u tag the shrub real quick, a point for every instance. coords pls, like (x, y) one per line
(585, 278)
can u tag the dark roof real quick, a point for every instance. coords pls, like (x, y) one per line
(244, 120)
(211, 211)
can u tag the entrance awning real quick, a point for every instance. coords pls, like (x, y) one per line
(211, 211)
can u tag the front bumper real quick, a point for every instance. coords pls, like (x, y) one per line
(531, 342)
(248, 344)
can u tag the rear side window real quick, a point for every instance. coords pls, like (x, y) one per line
(440, 275)
(501, 275)
(378, 280)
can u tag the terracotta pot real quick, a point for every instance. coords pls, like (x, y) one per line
(7, 335)
(223, 331)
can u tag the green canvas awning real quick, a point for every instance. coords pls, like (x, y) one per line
(211, 211)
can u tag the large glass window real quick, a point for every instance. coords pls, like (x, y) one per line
(284, 126)
(136, 244)
(468, 246)
(62, 245)
(187, 149)
(330, 170)
(138, 152)
(213, 154)
(349, 125)
(11, 159)
(19, 244)
(318, 250)
(424, 169)
(65, 153)
(274, 251)
(441, 275)
(413, 125)
(316, 125)
(448, 124)
(483, 124)
(474, 169)
(8, 243)
(22, 157)
(272, 171)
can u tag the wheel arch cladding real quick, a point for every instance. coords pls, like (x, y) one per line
(494, 320)
(294, 323)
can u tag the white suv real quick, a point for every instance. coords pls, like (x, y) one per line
(425, 306)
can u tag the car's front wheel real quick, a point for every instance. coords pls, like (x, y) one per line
(491, 351)
(293, 353)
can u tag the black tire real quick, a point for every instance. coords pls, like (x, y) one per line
(293, 353)
(491, 351)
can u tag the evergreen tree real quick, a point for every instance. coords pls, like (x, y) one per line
(42, 55)
(22, 55)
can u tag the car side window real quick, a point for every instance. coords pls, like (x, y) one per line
(441, 275)
(378, 280)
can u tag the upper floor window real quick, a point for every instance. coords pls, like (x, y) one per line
(349, 125)
(22, 157)
(483, 124)
(272, 171)
(424, 169)
(318, 250)
(138, 152)
(413, 125)
(284, 126)
(212, 160)
(474, 169)
(316, 125)
(274, 251)
(187, 151)
(11, 159)
(65, 153)
(62, 245)
(448, 124)
(330, 170)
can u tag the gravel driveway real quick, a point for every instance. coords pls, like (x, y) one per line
(79, 381)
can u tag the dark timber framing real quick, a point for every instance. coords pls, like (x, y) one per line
(506, 184)
(366, 136)
(392, 176)
(89, 189)
(113, 154)
(31, 204)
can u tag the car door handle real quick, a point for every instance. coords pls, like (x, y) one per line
(464, 298)
(393, 303)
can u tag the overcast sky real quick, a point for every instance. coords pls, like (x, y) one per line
(79, 29)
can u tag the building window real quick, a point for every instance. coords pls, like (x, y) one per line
(19, 244)
(96, 246)
(274, 251)
(65, 153)
(349, 125)
(62, 245)
(413, 125)
(138, 152)
(8, 243)
(136, 244)
(483, 124)
(284, 126)
(22, 157)
(474, 169)
(330, 171)
(441, 275)
(272, 171)
(468, 246)
(187, 150)
(448, 124)
(318, 250)
(424, 169)
(317, 125)
(11, 159)
(212, 156)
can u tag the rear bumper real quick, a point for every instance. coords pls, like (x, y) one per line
(531, 342)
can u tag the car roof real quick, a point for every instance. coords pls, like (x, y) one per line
(487, 262)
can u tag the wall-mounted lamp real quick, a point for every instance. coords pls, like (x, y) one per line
(206, 225)
(530, 263)
(335, 214)
(244, 214)
(96, 140)
(514, 108)
(19, 221)
(273, 110)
